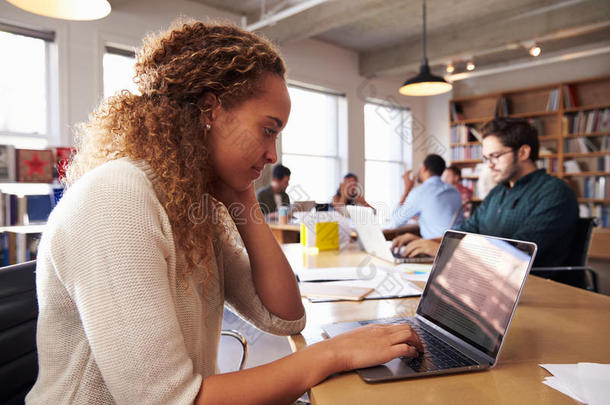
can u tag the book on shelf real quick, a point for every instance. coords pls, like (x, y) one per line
(588, 144)
(596, 210)
(7, 163)
(18, 247)
(466, 152)
(502, 107)
(462, 133)
(456, 112)
(551, 165)
(553, 100)
(571, 166)
(596, 187)
(25, 210)
(603, 163)
(569, 96)
(587, 122)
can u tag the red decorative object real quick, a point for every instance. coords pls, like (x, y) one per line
(63, 156)
(35, 166)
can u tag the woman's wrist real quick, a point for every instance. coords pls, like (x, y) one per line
(328, 359)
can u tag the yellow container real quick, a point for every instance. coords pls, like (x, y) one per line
(325, 236)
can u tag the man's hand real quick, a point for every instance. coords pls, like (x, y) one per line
(408, 180)
(403, 240)
(427, 247)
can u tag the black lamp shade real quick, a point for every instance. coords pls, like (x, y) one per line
(424, 84)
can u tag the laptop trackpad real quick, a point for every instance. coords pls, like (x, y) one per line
(396, 368)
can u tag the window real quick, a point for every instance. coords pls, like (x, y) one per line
(388, 151)
(310, 143)
(25, 86)
(118, 66)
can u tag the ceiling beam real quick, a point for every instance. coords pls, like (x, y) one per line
(487, 35)
(325, 17)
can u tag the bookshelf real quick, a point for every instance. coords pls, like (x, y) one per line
(573, 123)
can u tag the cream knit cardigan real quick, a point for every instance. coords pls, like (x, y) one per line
(117, 324)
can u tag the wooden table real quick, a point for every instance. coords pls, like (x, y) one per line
(554, 323)
(285, 233)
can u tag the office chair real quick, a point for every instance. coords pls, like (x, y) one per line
(18, 316)
(242, 340)
(469, 203)
(577, 273)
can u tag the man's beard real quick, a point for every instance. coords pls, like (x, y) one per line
(512, 172)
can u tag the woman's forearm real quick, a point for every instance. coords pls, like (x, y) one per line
(273, 277)
(279, 382)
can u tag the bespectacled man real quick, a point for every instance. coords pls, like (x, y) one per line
(527, 204)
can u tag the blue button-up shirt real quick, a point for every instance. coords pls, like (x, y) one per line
(435, 202)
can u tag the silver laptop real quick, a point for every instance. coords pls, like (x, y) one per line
(372, 239)
(465, 310)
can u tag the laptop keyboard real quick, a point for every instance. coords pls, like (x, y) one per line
(438, 355)
(417, 259)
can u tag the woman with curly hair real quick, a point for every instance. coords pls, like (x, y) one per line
(160, 226)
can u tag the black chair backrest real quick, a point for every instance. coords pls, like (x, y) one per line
(18, 316)
(473, 206)
(583, 230)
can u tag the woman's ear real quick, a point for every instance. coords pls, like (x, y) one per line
(209, 105)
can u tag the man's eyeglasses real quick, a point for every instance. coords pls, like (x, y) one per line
(493, 157)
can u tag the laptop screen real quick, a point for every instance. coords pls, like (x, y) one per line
(474, 286)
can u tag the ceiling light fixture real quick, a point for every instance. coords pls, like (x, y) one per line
(535, 50)
(450, 68)
(77, 10)
(425, 83)
(470, 65)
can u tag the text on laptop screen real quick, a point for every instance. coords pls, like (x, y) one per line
(474, 287)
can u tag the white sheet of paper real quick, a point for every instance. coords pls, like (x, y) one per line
(595, 382)
(568, 377)
(387, 284)
(338, 273)
(556, 384)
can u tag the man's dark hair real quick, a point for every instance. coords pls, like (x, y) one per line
(350, 175)
(435, 164)
(280, 171)
(456, 170)
(514, 132)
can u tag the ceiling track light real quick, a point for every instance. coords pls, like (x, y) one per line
(450, 68)
(470, 65)
(535, 50)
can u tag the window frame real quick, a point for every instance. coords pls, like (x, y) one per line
(406, 156)
(340, 130)
(114, 49)
(50, 134)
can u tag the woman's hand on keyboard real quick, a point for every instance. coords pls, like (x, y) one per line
(375, 344)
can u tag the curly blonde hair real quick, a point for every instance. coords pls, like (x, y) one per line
(165, 125)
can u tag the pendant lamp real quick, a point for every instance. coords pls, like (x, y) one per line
(425, 83)
(78, 10)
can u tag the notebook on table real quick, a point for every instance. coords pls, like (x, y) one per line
(465, 310)
(372, 239)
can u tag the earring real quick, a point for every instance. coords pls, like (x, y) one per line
(208, 127)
